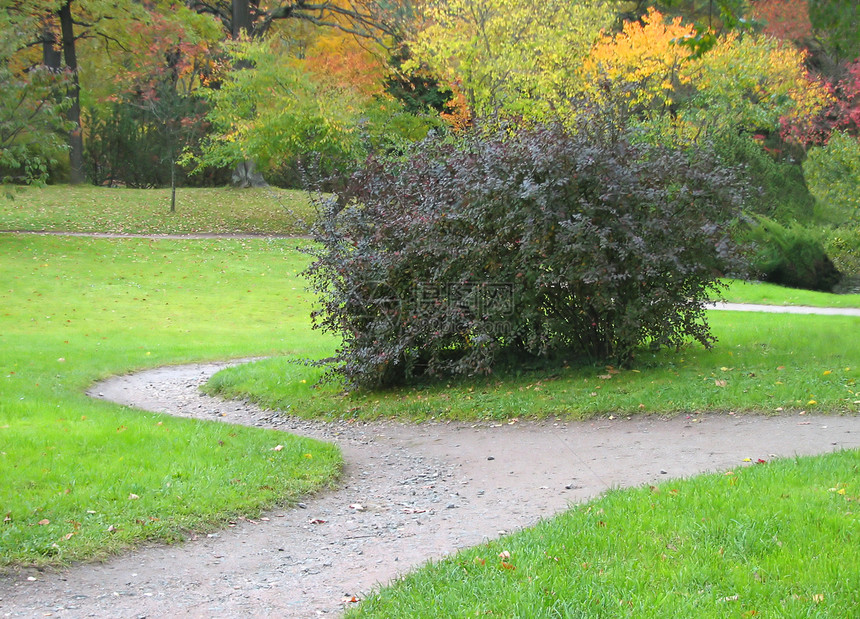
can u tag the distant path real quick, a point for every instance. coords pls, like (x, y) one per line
(786, 309)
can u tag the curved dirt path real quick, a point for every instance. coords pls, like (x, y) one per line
(423, 491)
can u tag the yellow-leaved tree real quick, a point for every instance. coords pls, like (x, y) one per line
(643, 63)
(745, 83)
(509, 56)
(750, 82)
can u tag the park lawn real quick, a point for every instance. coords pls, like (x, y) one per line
(762, 363)
(773, 539)
(83, 478)
(84, 208)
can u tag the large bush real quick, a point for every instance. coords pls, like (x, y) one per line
(520, 243)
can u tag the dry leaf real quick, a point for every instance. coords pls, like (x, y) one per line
(720, 383)
(44, 522)
(133, 497)
(277, 448)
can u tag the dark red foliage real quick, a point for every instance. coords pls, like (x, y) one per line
(520, 244)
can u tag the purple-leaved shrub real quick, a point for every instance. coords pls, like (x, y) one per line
(512, 244)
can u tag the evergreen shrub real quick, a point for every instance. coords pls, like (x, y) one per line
(792, 256)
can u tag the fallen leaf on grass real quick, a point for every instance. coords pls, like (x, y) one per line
(504, 555)
(818, 598)
(277, 448)
(720, 383)
(44, 522)
(133, 497)
(508, 566)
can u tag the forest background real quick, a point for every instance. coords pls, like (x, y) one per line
(158, 93)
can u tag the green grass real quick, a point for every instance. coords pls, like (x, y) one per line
(73, 310)
(778, 539)
(84, 208)
(771, 294)
(754, 367)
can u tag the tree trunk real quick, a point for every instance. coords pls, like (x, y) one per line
(76, 139)
(172, 184)
(244, 174)
(241, 12)
(52, 57)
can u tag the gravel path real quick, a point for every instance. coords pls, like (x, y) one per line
(408, 494)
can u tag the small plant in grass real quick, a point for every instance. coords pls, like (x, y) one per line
(512, 244)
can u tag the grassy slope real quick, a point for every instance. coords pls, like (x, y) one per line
(97, 209)
(73, 310)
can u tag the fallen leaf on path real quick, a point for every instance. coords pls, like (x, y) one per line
(318, 521)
